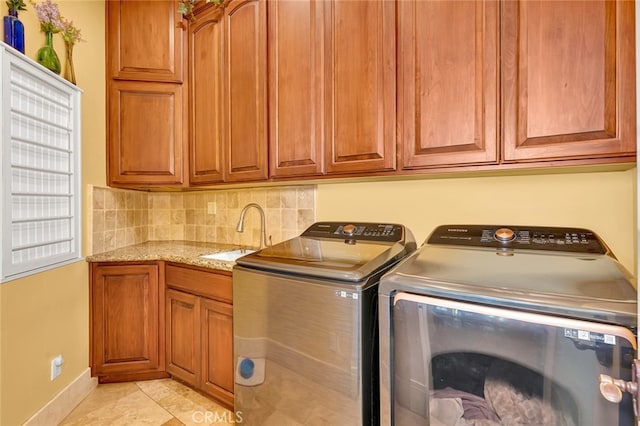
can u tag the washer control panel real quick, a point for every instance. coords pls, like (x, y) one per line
(355, 231)
(574, 240)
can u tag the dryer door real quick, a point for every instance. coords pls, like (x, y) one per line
(454, 360)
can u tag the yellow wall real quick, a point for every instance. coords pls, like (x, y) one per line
(47, 314)
(604, 202)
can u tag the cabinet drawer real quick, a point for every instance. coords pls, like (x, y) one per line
(208, 284)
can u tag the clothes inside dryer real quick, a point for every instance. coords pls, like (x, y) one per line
(479, 365)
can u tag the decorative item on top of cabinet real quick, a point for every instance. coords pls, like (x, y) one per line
(199, 331)
(189, 8)
(71, 36)
(47, 56)
(50, 24)
(13, 27)
(126, 320)
(448, 82)
(568, 78)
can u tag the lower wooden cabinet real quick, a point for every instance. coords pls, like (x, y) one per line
(153, 321)
(216, 331)
(126, 318)
(183, 337)
(199, 331)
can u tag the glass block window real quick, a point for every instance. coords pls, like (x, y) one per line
(40, 168)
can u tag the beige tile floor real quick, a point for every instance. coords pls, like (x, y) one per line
(162, 402)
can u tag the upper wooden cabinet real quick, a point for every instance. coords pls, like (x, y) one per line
(360, 78)
(228, 93)
(206, 47)
(448, 82)
(564, 72)
(245, 90)
(332, 87)
(568, 78)
(296, 88)
(285, 89)
(146, 99)
(146, 134)
(144, 40)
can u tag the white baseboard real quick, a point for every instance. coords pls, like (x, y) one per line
(64, 402)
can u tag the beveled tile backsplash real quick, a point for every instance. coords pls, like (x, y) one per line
(125, 217)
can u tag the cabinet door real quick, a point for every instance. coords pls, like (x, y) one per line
(360, 71)
(296, 88)
(144, 40)
(205, 97)
(146, 134)
(183, 336)
(568, 79)
(217, 350)
(245, 90)
(448, 82)
(126, 320)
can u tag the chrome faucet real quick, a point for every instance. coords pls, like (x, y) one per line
(263, 230)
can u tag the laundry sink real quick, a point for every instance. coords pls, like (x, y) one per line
(228, 256)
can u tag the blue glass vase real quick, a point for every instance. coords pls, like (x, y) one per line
(14, 31)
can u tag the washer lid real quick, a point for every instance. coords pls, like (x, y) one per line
(585, 285)
(332, 250)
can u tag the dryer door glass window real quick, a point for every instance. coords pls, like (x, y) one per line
(454, 361)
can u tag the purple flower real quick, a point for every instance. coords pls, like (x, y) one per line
(49, 16)
(70, 34)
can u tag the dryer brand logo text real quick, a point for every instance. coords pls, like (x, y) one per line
(457, 230)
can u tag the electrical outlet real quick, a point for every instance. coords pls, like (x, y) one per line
(211, 207)
(56, 366)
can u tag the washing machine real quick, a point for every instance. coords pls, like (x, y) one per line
(305, 325)
(496, 325)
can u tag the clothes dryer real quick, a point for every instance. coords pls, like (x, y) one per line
(510, 325)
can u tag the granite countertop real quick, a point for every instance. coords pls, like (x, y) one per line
(187, 252)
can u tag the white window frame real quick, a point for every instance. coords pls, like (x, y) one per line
(40, 200)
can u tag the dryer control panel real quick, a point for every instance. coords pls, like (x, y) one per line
(387, 232)
(573, 240)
